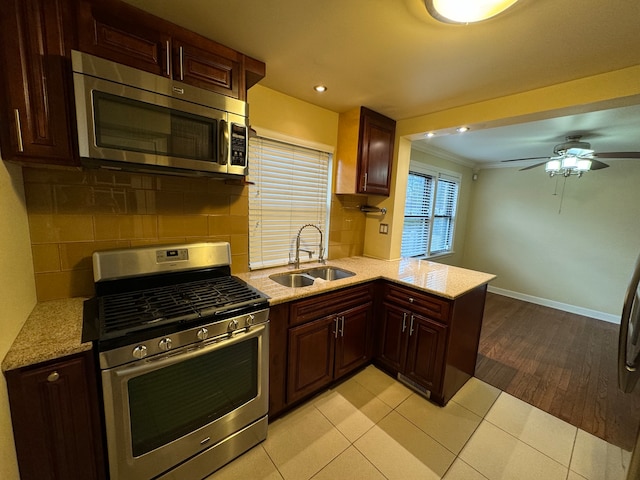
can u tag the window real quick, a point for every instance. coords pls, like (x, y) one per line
(429, 212)
(291, 190)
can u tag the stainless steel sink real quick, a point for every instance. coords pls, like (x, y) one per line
(305, 278)
(292, 280)
(329, 273)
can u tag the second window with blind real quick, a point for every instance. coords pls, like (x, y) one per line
(430, 211)
(290, 188)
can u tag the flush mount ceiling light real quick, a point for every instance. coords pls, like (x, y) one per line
(462, 129)
(466, 11)
(320, 88)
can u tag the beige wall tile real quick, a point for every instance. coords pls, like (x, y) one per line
(125, 227)
(219, 225)
(203, 202)
(75, 283)
(239, 205)
(46, 258)
(239, 225)
(182, 226)
(78, 255)
(60, 228)
(239, 244)
(239, 263)
(39, 198)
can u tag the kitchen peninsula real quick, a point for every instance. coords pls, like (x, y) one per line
(415, 319)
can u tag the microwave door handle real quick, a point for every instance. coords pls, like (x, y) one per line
(223, 142)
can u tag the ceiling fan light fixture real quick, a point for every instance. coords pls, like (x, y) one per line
(569, 162)
(466, 11)
(552, 167)
(583, 165)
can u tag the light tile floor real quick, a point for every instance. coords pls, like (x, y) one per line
(373, 427)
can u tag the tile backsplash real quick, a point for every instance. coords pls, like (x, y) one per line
(74, 213)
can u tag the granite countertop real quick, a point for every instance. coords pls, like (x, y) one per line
(54, 328)
(436, 278)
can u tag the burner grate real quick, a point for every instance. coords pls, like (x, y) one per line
(138, 310)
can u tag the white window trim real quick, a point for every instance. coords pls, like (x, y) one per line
(438, 173)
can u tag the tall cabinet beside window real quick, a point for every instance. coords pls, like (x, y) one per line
(365, 152)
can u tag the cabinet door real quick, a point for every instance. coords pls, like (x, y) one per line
(203, 68)
(55, 420)
(36, 95)
(354, 342)
(425, 355)
(392, 337)
(311, 357)
(123, 34)
(377, 135)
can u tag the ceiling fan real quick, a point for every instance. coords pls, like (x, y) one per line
(574, 157)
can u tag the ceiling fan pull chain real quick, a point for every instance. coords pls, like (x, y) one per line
(562, 195)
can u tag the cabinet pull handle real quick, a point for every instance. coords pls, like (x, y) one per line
(168, 58)
(335, 331)
(404, 322)
(411, 327)
(16, 115)
(364, 187)
(181, 63)
(342, 326)
(53, 376)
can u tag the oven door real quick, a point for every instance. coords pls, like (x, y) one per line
(162, 411)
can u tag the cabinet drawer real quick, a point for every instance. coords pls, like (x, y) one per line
(328, 304)
(418, 302)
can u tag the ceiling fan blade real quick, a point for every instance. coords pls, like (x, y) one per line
(618, 154)
(597, 165)
(536, 165)
(522, 159)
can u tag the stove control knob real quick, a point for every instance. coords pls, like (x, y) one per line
(202, 334)
(233, 325)
(140, 352)
(165, 344)
(250, 319)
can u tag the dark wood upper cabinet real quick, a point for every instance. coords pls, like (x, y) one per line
(124, 34)
(120, 32)
(35, 112)
(364, 152)
(56, 422)
(36, 104)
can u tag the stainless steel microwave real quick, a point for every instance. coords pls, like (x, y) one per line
(129, 119)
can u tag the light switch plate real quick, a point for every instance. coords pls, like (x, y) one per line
(384, 228)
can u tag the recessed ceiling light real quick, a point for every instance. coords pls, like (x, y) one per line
(429, 134)
(462, 129)
(466, 11)
(320, 88)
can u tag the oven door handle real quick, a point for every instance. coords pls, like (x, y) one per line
(185, 353)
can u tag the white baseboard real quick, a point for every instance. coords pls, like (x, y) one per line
(607, 317)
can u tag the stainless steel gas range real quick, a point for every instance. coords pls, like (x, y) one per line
(183, 352)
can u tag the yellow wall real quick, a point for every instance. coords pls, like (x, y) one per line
(601, 91)
(17, 293)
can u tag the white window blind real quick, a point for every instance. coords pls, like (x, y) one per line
(290, 190)
(429, 215)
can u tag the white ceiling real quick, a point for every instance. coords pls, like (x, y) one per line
(392, 57)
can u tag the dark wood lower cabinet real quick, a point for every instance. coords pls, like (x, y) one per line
(56, 422)
(431, 341)
(326, 349)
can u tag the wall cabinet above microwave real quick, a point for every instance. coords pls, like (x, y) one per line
(126, 35)
(36, 105)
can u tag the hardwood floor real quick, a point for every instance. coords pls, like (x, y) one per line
(562, 363)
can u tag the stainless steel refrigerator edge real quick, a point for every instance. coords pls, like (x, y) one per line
(629, 354)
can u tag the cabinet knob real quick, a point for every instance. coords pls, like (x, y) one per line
(53, 376)
(410, 299)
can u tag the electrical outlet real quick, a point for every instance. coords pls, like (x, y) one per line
(384, 228)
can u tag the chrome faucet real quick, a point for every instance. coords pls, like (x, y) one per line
(296, 262)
